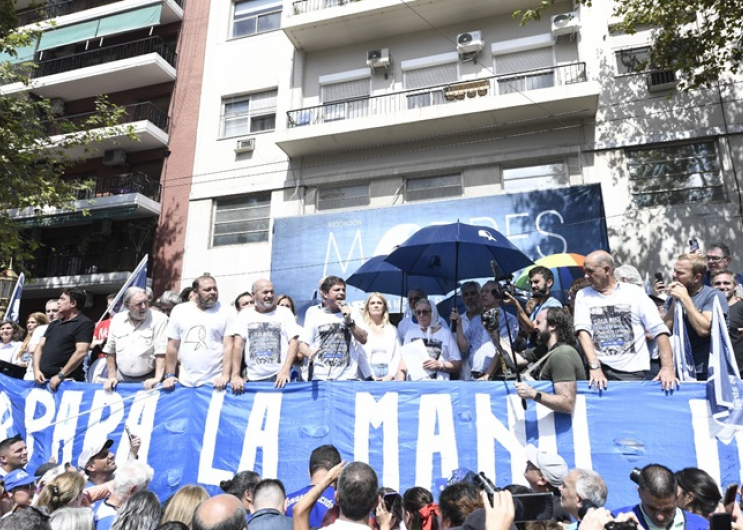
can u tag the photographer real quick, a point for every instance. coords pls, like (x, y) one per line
(658, 490)
(583, 488)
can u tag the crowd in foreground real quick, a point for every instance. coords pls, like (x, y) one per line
(98, 494)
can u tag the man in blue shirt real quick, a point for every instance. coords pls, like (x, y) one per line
(322, 460)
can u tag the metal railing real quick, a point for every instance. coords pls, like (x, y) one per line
(438, 95)
(137, 112)
(307, 6)
(69, 263)
(105, 55)
(122, 184)
(59, 9)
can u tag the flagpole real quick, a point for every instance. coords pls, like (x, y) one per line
(130, 282)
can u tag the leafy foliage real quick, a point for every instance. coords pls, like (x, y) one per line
(700, 39)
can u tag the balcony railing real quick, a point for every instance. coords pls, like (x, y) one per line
(59, 9)
(137, 112)
(122, 184)
(105, 55)
(68, 263)
(438, 95)
(306, 6)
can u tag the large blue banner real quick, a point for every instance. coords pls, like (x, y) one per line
(411, 433)
(540, 223)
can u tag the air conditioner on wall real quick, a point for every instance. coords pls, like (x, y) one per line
(378, 58)
(245, 145)
(565, 24)
(114, 157)
(470, 42)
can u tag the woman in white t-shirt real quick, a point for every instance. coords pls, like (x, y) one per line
(439, 341)
(381, 353)
(8, 346)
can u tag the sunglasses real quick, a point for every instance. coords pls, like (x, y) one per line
(423, 312)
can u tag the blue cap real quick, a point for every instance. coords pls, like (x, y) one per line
(17, 478)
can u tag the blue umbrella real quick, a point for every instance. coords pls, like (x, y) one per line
(457, 251)
(378, 275)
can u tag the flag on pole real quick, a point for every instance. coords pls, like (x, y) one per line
(138, 278)
(683, 358)
(724, 387)
(14, 304)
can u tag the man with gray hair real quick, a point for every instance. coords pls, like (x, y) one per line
(269, 507)
(628, 274)
(137, 342)
(131, 477)
(582, 485)
(610, 320)
(223, 512)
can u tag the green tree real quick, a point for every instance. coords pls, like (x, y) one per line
(33, 165)
(700, 39)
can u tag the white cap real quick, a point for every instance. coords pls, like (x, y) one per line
(92, 449)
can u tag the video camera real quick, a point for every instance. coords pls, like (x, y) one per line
(527, 506)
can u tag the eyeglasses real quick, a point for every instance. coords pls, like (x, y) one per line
(714, 258)
(423, 312)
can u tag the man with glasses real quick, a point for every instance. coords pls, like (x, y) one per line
(546, 473)
(137, 342)
(718, 258)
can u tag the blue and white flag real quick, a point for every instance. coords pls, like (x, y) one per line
(138, 278)
(14, 305)
(683, 358)
(724, 387)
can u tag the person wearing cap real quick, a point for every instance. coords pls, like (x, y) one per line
(99, 464)
(546, 473)
(20, 487)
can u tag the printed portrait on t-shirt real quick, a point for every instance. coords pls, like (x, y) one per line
(333, 342)
(264, 339)
(612, 330)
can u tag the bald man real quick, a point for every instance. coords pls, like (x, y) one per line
(224, 511)
(611, 319)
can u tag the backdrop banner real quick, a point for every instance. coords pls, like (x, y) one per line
(411, 433)
(539, 223)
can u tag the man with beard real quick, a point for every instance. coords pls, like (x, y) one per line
(136, 344)
(560, 364)
(196, 339)
(541, 280)
(268, 335)
(697, 300)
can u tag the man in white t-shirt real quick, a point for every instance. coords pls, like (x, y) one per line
(611, 319)
(268, 335)
(331, 335)
(196, 339)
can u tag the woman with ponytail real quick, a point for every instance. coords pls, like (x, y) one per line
(421, 513)
(64, 490)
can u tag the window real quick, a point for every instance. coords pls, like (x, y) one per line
(240, 220)
(632, 61)
(677, 174)
(249, 114)
(525, 70)
(421, 189)
(536, 177)
(335, 197)
(256, 16)
(352, 99)
(423, 78)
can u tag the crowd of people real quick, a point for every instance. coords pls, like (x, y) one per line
(99, 495)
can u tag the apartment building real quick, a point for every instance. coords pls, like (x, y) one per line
(126, 50)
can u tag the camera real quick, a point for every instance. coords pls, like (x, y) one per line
(490, 318)
(527, 506)
(613, 525)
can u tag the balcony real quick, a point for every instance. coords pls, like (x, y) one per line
(57, 9)
(561, 92)
(314, 25)
(122, 184)
(146, 121)
(116, 68)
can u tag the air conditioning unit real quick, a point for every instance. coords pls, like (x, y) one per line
(245, 145)
(114, 157)
(378, 58)
(661, 80)
(470, 42)
(565, 24)
(56, 106)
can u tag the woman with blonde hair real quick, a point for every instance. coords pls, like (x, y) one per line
(25, 355)
(64, 490)
(182, 505)
(381, 358)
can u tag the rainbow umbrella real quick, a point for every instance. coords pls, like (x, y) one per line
(565, 267)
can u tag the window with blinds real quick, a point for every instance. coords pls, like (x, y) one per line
(346, 100)
(439, 187)
(537, 177)
(240, 220)
(525, 70)
(429, 80)
(251, 113)
(335, 197)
